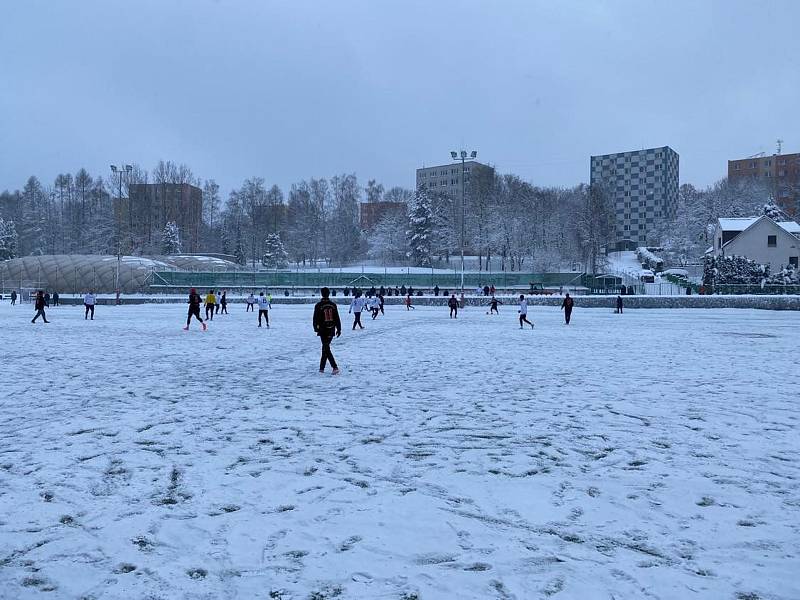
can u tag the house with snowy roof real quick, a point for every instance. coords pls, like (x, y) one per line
(768, 242)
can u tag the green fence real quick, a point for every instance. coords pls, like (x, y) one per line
(311, 279)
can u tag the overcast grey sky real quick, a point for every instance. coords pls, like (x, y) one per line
(290, 90)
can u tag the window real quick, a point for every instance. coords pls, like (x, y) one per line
(793, 261)
(736, 167)
(753, 165)
(772, 241)
(767, 174)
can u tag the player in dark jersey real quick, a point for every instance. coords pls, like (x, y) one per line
(194, 309)
(327, 325)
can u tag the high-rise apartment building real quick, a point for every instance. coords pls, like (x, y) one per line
(644, 188)
(780, 173)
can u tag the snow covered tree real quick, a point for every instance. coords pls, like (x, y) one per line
(8, 239)
(346, 242)
(388, 240)
(596, 224)
(774, 212)
(171, 239)
(374, 191)
(275, 255)
(420, 231)
(238, 252)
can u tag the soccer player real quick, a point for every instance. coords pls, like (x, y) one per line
(326, 325)
(523, 312)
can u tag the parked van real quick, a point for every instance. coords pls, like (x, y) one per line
(647, 276)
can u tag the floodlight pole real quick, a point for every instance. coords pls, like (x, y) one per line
(118, 171)
(462, 155)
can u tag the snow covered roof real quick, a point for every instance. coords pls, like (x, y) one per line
(742, 223)
(737, 223)
(790, 226)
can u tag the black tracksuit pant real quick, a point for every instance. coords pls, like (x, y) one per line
(194, 311)
(89, 310)
(357, 320)
(327, 355)
(40, 313)
(453, 312)
(567, 314)
(210, 312)
(265, 313)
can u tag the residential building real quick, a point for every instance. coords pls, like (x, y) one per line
(761, 239)
(644, 188)
(372, 213)
(780, 172)
(466, 186)
(142, 216)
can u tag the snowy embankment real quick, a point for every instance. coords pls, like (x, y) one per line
(651, 454)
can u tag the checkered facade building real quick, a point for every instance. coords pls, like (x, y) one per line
(644, 186)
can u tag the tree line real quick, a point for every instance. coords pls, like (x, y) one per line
(511, 224)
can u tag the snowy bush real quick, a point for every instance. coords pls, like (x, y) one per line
(8, 239)
(786, 276)
(648, 258)
(275, 255)
(733, 270)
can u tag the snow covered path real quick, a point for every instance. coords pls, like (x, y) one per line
(654, 454)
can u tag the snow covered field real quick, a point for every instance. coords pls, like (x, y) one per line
(653, 454)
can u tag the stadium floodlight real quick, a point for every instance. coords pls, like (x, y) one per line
(463, 154)
(113, 168)
(129, 168)
(454, 155)
(473, 154)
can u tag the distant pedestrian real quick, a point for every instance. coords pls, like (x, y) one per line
(523, 312)
(493, 310)
(409, 305)
(263, 308)
(251, 300)
(13, 297)
(380, 299)
(486, 290)
(453, 304)
(436, 290)
(327, 325)
(224, 302)
(88, 305)
(194, 309)
(566, 306)
(619, 305)
(55, 298)
(356, 306)
(47, 299)
(492, 290)
(40, 305)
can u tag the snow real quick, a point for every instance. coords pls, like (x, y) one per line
(650, 454)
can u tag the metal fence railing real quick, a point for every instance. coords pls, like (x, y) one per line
(316, 279)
